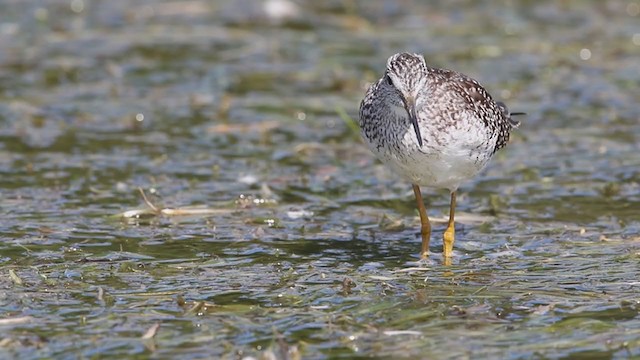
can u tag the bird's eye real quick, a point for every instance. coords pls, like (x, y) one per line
(387, 78)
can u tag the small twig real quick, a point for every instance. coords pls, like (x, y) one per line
(401, 332)
(16, 279)
(195, 308)
(146, 200)
(192, 211)
(153, 210)
(13, 321)
(480, 289)
(24, 247)
(151, 332)
(411, 269)
(100, 294)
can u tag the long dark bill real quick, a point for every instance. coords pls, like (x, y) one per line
(410, 105)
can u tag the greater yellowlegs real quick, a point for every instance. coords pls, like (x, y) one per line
(435, 127)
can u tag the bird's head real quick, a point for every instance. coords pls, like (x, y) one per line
(402, 80)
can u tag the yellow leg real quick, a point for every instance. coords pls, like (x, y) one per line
(450, 232)
(425, 229)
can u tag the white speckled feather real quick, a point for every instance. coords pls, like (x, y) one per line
(460, 125)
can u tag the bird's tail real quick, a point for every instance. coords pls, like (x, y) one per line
(505, 111)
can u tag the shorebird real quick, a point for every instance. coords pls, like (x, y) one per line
(434, 127)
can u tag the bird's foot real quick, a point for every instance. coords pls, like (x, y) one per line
(449, 238)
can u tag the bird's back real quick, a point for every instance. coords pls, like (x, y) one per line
(456, 97)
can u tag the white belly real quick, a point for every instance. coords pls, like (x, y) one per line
(439, 165)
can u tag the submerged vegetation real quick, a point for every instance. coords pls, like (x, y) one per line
(185, 180)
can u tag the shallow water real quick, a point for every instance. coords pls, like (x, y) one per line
(310, 249)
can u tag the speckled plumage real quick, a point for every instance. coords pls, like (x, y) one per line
(434, 127)
(460, 125)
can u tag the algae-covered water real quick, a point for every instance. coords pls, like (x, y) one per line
(298, 243)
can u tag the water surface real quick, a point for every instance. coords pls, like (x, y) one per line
(310, 250)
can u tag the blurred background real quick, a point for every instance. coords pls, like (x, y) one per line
(307, 246)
